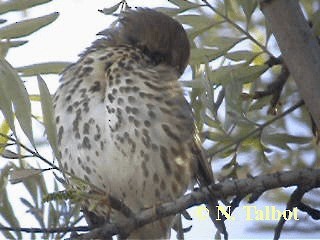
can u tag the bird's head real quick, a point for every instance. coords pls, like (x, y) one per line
(157, 35)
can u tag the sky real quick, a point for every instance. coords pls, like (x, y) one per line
(69, 35)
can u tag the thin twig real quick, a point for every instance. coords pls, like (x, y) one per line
(34, 153)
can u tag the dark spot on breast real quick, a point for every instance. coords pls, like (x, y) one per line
(165, 160)
(111, 97)
(65, 166)
(60, 132)
(86, 128)
(134, 111)
(86, 143)
(88, 170)
(86, 71)
(145, 169)
(157, 193)
(120, 101)
(174, 187)
(151, 114)
(177, 176)
(155, 178)
(136, 123)
(107, 65)
(170, 133)
(97, 137)
(131, 99)
(162, 185)
(129, 81)
(147, 123)
(88, 60)
(96, 87)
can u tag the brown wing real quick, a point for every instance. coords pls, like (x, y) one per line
(204, 177)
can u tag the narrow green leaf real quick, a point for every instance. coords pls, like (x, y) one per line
(196, 83)
(4, 129)
(196, 21)
(7, 213)
(241, 73)
(19, 97)
(13, 43)
(281, 140)
(43, 68)
(10, 155)
(19, 175)
(169, 11)
(110, 10)
(34, 97)
(260, 103)
(26, 27)
(6, 45)
(248, 7)
(16, 5)
(242, 55)
(224, 43)
(315, 19)
(5, 103)
(204, 55)
(48, 115)
(184, 4)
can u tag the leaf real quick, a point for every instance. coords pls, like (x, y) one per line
(260, 103)
(281, 140)
(196, 83)
(204, 55)
(5, 103)
(242, 55)
(10, 155)
(43, 68)
(196, 21)
(241, 73)
(48, 115)
(7, 213)
(6, 45)
(110, 10)
(248, 7)
(26, 27)
(16, 5)
(184, 4)
(4, 129)
(315, 19)
(19, 175)
(224, 43)
(34, 97)
(18, 95)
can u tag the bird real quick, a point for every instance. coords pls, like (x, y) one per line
(123, 123)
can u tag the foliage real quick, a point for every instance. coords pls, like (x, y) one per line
(238, 87)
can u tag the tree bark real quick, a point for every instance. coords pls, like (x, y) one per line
(299, 47)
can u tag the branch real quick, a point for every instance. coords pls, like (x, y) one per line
(299, 48)
(46, 230)
(243, 187)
